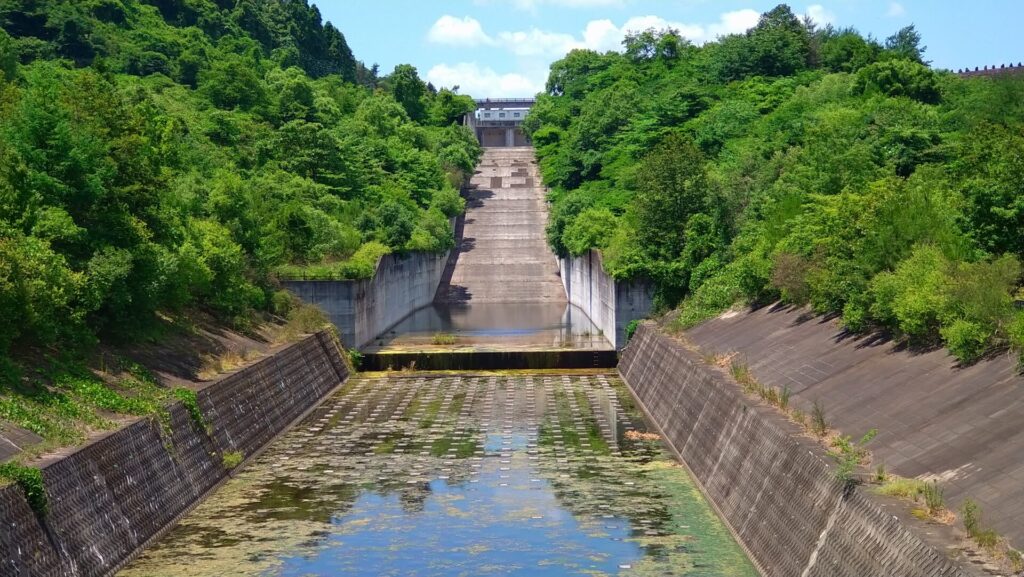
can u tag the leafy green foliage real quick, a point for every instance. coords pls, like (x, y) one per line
(30, 479)
(795, 162)
(157, 156)
(848, 454)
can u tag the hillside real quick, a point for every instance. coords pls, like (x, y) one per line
(166, 161)
(795, 162)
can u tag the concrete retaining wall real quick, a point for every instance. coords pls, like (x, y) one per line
(610, 304)
(772, 487)
(935, 419)
(110, 498)
(364, 309)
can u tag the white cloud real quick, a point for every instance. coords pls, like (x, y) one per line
(536, 42)
(533, 5)
(455, 31)
(602, 35)
(536, 48)
(482, 81)
(896, 10)
(820, 15)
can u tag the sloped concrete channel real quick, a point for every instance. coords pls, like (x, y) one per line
(501, 302)
(458, 475)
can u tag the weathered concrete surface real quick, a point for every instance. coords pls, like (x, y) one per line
(770, 484)
(609, 303)
(113, 496)
(503, 256)
(363, 309)
(935, 419)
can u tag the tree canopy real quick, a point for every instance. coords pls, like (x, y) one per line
(166, 154)
(795, 162)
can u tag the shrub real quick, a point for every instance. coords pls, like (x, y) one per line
(30, 479)
(971, 515)
(232, 459)
(190, 401)
(281, 303)
(965, 339)
(848, 453)
(631, 329)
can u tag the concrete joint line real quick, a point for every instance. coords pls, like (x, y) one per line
(813, 559)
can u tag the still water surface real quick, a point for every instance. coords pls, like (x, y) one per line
(458, 475)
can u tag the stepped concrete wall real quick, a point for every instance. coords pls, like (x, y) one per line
(364, 309)
(609, 303)
(503, 255)
(773, 487)
(935, 419)
(113, 496)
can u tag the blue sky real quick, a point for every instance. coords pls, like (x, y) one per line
(494, 48)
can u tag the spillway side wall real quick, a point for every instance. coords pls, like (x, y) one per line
(609, 303)
(107, 500)
(774, 488)
(363, 309)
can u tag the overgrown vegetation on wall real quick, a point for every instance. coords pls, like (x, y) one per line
(161, 155)
(794, 162)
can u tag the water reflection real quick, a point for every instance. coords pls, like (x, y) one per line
(505, 326)
(460, 475)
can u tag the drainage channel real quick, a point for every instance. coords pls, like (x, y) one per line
(466, 474)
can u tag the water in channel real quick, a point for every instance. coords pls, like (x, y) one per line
(491, 474)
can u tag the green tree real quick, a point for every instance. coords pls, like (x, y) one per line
(672, 185)
(409, 91)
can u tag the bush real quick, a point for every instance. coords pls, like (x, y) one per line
(965, 339)
(631, 329)
(912, 298)
(590, 229)
(232, 459)
(30, 479)
(899, 78)
(281, 303)
(449, 202)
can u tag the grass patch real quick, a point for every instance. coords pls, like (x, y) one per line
(444, 339)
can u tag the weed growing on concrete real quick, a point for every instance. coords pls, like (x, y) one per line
(784, 395)
(987, 538)
(190, 401)
(232, 459)
(819, 423)
(971, 515)
(880, 474)
(901, 487)
(848, 454)
(1015, 559)
(30, 479)
(934, 498)
(355, 359)
(631, 329)
(444, 339)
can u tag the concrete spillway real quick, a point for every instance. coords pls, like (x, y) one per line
(503, 256)
(501, 302)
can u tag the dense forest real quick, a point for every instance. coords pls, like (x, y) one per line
(798, 163)
(158, 156)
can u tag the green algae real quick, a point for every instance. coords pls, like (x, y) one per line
(514, 475)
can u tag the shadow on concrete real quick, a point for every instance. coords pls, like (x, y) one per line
(476, 198)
